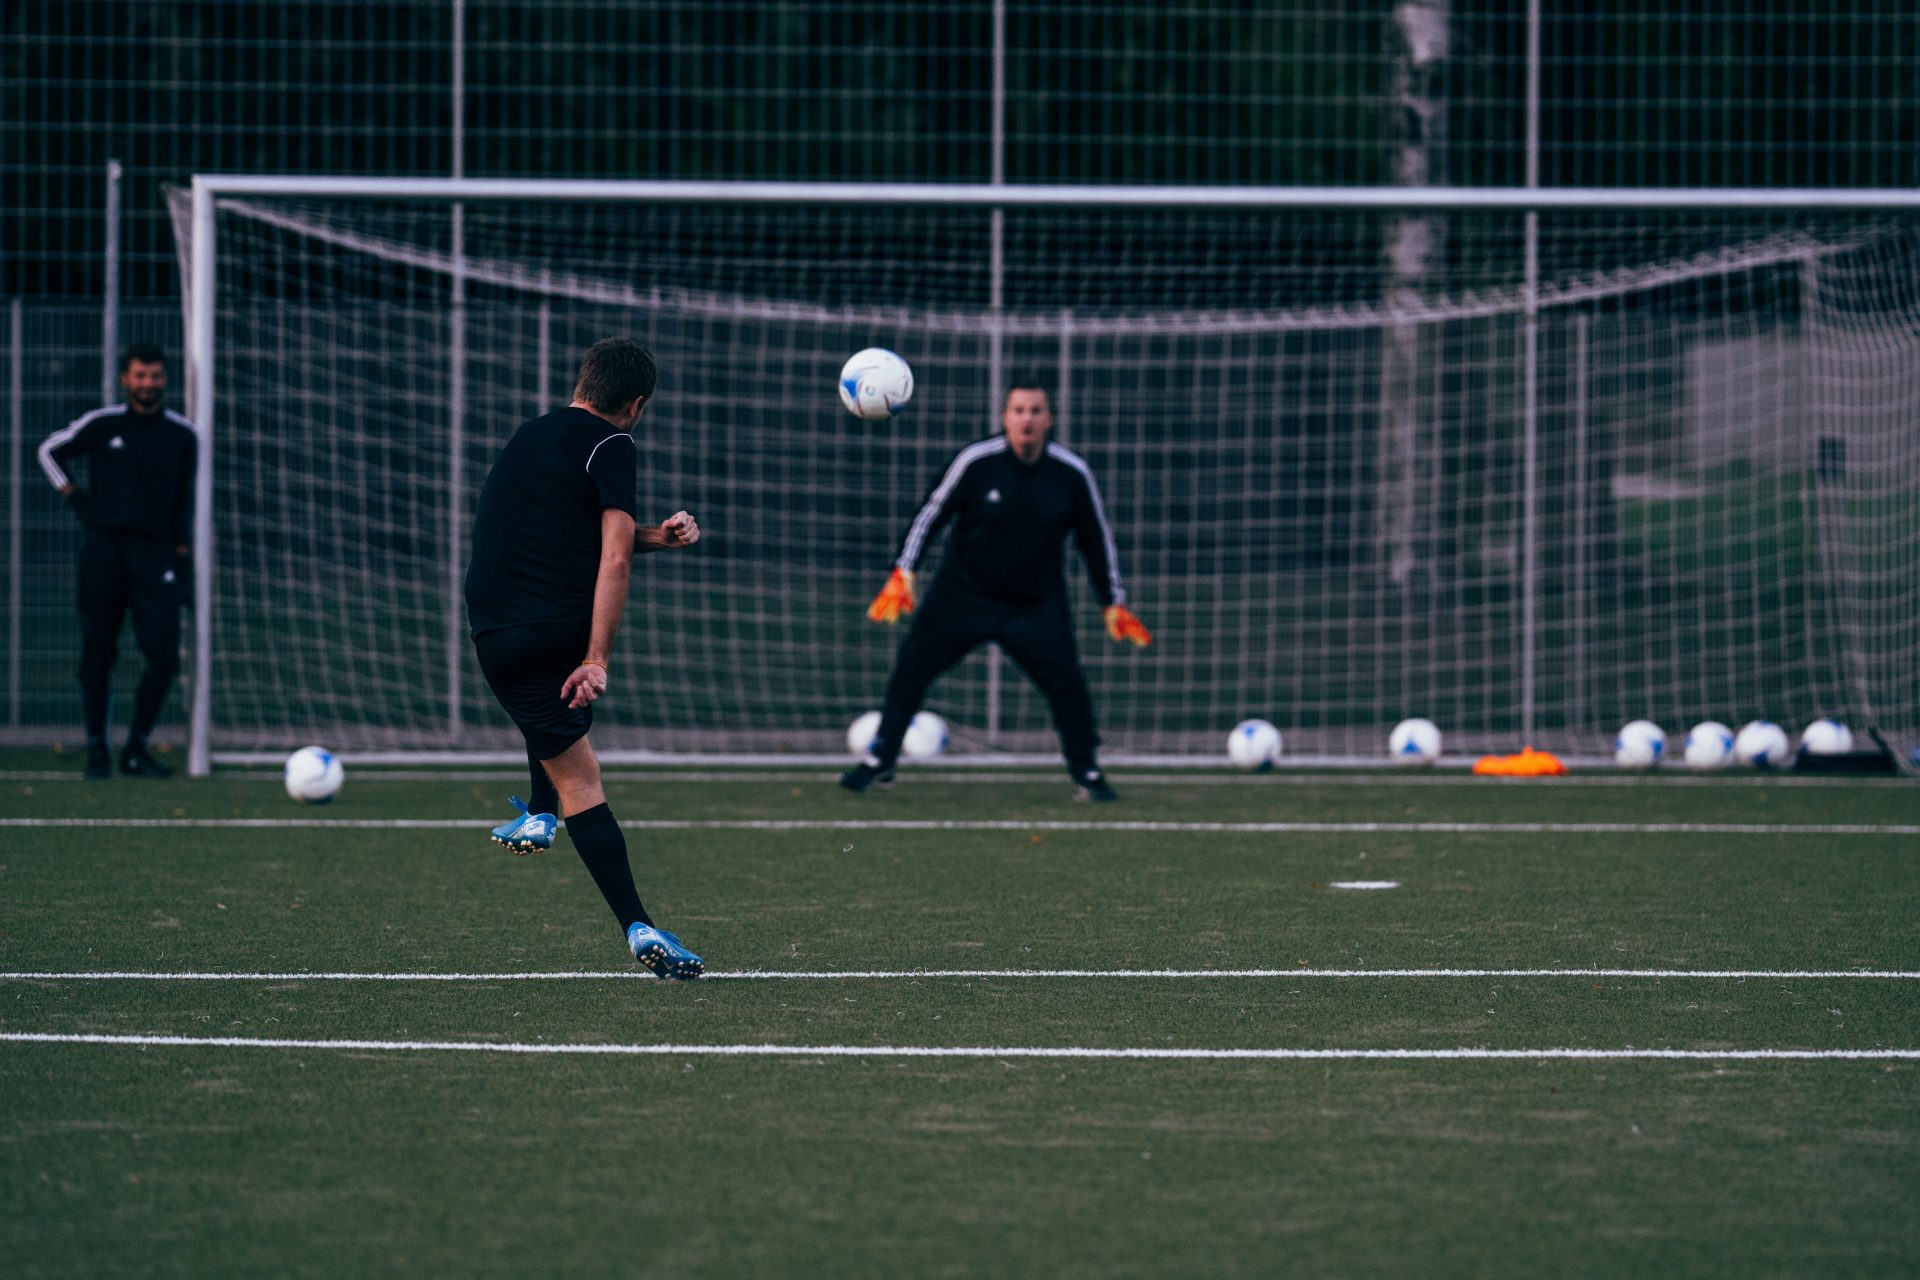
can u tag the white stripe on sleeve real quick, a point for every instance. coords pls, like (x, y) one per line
(48, 463)
(1079, 464)
(615, 436)
(917, 531)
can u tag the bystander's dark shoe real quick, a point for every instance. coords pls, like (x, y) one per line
(137, 762)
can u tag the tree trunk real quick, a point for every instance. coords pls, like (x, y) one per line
(1418, 48)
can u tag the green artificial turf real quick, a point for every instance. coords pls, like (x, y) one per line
(218, 1160)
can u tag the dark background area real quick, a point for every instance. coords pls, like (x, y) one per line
(1687, 93)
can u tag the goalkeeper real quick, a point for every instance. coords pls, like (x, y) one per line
(1012, 499)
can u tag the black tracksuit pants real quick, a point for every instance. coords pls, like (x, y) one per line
(952, 622)
(119, 572)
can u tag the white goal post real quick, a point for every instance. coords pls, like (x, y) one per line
(1525, 461)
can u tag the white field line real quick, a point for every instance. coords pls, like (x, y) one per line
(966, 1051)
(761, 975)
(1364, 884)
(1016, 824)
(1015, 776)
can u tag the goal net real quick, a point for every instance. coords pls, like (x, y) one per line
(1529, 476)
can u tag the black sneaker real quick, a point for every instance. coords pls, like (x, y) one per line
(868, 774)
(137, 762)
(99, 761)
(1095, 787)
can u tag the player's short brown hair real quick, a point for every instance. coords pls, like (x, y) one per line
(141, 353)
(1026, 383)
(614, 371)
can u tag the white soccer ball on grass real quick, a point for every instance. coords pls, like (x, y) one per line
(1762, 744)
(875, 384)
(313, 775)
(1709, 745)
(1640, 744)
(1415, 741)
(1253, 745)
(926, 737)
(860, 735)
(1826, 737)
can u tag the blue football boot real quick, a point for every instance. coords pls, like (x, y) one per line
(529, 833)
(663, 953)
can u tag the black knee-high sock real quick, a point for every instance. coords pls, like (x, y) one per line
(543, 798)
(597, 839)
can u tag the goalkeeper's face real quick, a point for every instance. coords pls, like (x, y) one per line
(1027, 419)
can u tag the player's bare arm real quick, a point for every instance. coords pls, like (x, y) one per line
(589, 679)
(676, 531)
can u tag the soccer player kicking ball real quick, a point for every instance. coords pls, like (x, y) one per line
(1012, 500)
(553, 545)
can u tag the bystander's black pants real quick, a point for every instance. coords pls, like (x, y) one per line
(121, 572)
(951, 623)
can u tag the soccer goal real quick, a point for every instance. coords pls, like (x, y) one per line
(1526, 463)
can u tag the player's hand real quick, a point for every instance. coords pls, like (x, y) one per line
(680, 530)
(894, 599)
(1123, 626)
(588, 682)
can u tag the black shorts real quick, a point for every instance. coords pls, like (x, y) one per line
(525, 667)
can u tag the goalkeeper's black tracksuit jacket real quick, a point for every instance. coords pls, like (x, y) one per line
(138, 507)
(1002, 580)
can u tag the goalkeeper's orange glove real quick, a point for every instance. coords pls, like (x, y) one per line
(894, 599)
(1122, 625)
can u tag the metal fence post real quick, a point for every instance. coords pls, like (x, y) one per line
(16, 523)
(110, 292)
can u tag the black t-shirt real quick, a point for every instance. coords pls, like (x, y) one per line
(140, 466)
(536, 537)
(1009, 521)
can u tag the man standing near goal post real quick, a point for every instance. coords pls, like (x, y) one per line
(1012, 500)
(553, 547)
(140, 460)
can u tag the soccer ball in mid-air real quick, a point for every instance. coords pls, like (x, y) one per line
(1709, 745)
(926, 737)
(313, 775)
(875, 384)
(1826, 737)
(1253, 745)
(860, 735)
(1415, 741)
(1640, 744)
(1762, 744)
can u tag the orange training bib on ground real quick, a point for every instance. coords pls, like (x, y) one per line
(1528, 764)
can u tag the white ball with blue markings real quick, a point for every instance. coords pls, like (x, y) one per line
(861, 733)
(1761, 744)
(1253, 745)
(1709, 745)
(926, 737)
(875, 384)
(1640, 744)
(1826, 737)
(313, 775)
(1415, 741)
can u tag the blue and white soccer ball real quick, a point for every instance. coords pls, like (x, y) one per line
(1415, 741)
(1253, 745)
(313, 775)
(926, 737)
(875, 384)
(860, 735)
(1762, 744)
(1709, 745)
(1826, 737)
(1640, 744)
